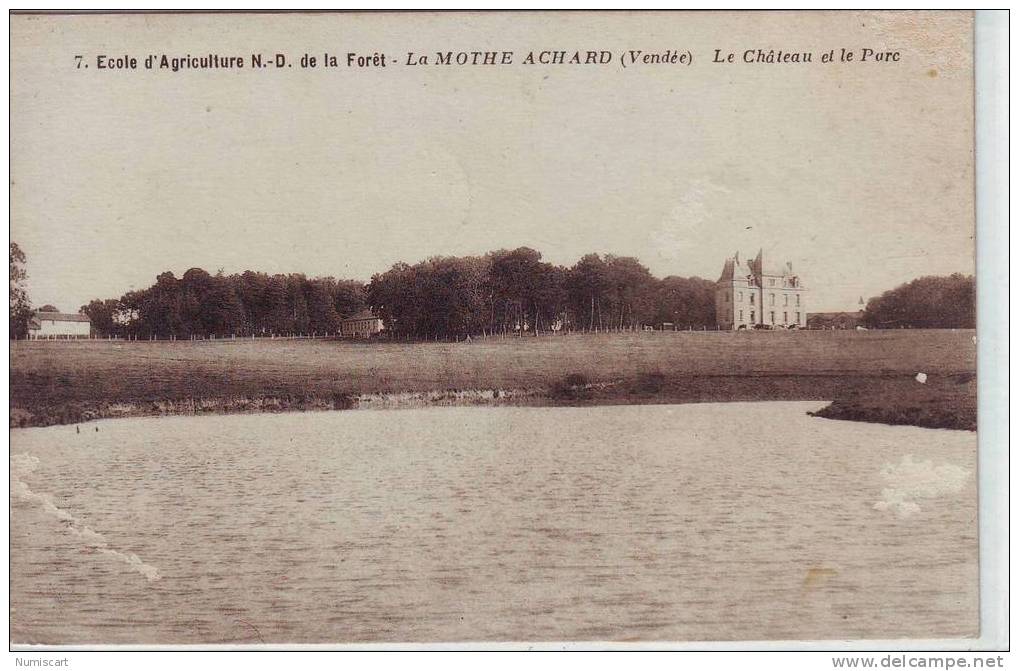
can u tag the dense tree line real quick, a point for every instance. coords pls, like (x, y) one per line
(202, 305)
(506, 291)
(927, 302)
(514, 291)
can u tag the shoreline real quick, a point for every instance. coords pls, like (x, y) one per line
(944, 402)
(865, 376)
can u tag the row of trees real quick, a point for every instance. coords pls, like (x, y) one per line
(442, 297)
(927, 302)
(249, 303)
(515, 291)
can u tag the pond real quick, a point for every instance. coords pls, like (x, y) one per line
(660, 522)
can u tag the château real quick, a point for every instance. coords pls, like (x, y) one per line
(751, 294)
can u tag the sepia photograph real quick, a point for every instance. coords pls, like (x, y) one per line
(517, 328)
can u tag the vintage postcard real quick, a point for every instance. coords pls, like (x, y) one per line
(420, 328)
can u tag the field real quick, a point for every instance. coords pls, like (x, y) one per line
(868, 375)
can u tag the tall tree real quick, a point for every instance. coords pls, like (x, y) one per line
(684, 302)
(587, 283)
(399, 299)
(322, 317)
(629, 284)
(514, 279)
(298, 303)
(20, 307)
(162, 309)
(348, 296)
(103, 315)
(250, 289)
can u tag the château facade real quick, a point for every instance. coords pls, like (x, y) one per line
(750, 293)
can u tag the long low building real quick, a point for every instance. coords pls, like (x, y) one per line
(364, 324)
(59, 325)
(834, 320)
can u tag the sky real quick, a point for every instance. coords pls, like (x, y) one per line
(861, 175)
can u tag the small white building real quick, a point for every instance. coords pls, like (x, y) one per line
(59, 325)
(364, 324)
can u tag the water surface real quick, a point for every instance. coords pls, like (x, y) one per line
(687, 522)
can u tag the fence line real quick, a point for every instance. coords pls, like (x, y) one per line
(193, 338)
(484, 335)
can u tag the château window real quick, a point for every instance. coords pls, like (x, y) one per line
(797, 317)
(771, 283)
(772, 316)
(741, 315)
(797, 300)
(772, 299)
(753, 316)
(741, 297)
(786, 301)
(785, 317)
(751, 299)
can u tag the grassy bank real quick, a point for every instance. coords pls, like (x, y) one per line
(868, 375)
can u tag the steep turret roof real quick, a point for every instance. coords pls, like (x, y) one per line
(760, 267)
(733, 269)
(736, 269)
